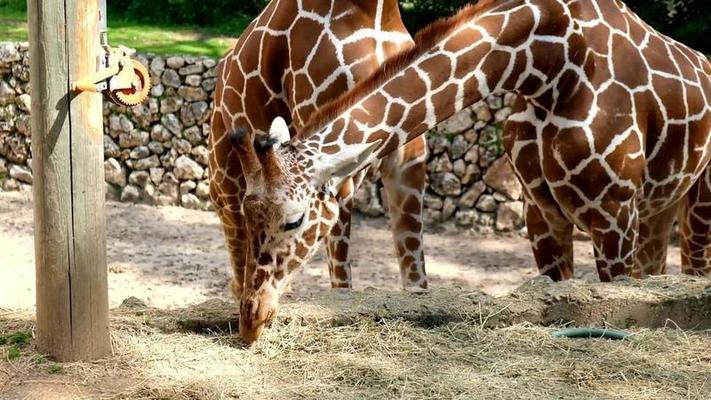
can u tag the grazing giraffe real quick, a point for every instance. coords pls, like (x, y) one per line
(295, 57)
(610, 132)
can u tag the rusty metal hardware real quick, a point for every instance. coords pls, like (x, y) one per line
(123, 80)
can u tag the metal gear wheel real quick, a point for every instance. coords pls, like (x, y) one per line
(140, 87)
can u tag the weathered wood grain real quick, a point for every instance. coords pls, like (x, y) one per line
(70, 244)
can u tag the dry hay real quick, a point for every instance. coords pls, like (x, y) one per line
(379, 344)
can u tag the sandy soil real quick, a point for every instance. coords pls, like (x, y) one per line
(171, 257)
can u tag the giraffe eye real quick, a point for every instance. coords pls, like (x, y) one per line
(293, 225)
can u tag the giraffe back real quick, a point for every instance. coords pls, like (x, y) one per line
(647, 82)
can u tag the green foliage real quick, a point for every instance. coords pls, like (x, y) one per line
(12, 20)
(491, 140)
(21, 338)
(142, 34)
(223, 15)
(55, 368)
(166, 40)
(13, 353)
(688, 21)
(16, 341)
(419, 13)
(685, 20)
(13, 5)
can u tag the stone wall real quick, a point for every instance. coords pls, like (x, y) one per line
(470, 183)
(156, 153)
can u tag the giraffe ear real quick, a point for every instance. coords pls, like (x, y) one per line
(348, 161)
(279, 131)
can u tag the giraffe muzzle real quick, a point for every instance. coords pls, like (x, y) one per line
(257, 312)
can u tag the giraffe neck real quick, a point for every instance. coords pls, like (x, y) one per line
(353, 37)
(518, 46)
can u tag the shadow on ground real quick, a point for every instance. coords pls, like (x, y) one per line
(385, 344)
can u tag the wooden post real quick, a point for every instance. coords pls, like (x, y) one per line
(68, 171)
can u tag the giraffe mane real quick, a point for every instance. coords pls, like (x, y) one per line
(425, 39)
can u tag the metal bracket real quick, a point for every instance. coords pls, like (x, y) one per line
(124, 80)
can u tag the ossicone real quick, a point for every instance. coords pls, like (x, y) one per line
(279, 131)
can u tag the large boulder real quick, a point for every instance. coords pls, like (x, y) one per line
(130, 194)
(446, 184)
(187, 169)
(21, 173)
(501, 177)
(134, 138)
(457, 123)
(9, 53)
(171, 78)
(470, 197)
(367, 201)
(114, 172)
(7, 94)
(458, 147)
(147, 163)
(486, 203)
(509, 216)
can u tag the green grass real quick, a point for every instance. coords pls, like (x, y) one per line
(20, 338)
(55, 368)
(13, 353)
(167, 40)
(13, 23)
(16, 341)
(146, 38)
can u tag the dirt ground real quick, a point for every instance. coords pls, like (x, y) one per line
(178, 341)
(377, 344)
(173, 257)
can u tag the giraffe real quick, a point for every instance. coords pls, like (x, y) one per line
(295, 57)
(610, 132)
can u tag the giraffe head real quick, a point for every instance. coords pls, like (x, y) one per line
(289, 205)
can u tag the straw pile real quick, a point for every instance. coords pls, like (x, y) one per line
(378, 344)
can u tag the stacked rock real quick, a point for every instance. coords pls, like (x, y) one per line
(15, 139)
(470, 182)
(156, 153)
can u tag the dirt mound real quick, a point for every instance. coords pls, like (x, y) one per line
(682, 301)
(656, 302)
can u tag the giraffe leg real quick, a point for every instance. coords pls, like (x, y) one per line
(695, 227)
(551, 236)
(236, 257)
(226, 191)
(235, 230)
(338, 240)
(614, 231)
(549, 230)
(652, 243)
(404, 181)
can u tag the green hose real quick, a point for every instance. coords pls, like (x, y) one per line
(592, 333)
